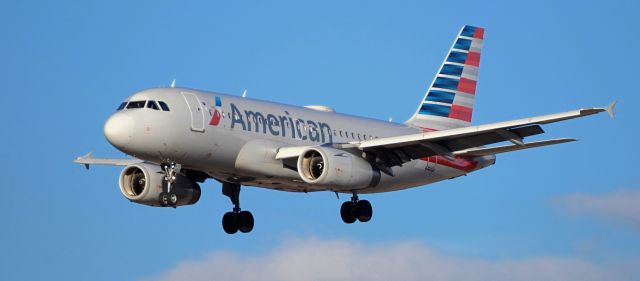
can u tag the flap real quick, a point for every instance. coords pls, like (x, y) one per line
(508, 148)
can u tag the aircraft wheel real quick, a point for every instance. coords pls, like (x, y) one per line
(173, 199)
(347, 212)
(245, 221)
(364, 210)
(230, 222)
(163, 199)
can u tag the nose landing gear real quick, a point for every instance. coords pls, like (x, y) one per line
(236, 219)
(168, 198)
(356, 209)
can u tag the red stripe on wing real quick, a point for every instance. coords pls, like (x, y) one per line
(460, 163)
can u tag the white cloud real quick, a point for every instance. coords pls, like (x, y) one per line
(315, 259)
(621, 205)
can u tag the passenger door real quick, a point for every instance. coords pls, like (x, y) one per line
(197, 111)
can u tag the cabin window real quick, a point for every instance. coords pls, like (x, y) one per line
(359, 136)
(163, 105)
(122, 105)
(153, 105)
(341, 133)
(136, 104)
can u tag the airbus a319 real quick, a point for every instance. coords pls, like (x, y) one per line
(180, 137)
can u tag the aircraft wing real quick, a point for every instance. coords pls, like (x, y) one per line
(394, 151)
(466, 141)
(89, 160)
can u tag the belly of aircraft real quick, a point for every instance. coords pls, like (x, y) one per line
(411, 174)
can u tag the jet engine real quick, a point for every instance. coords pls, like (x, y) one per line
(334, 168)
(143, 183)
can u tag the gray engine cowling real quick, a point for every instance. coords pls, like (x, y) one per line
(336, 169)
(142, 184)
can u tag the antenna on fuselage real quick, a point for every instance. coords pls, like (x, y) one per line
(173, 83)
(244, 94)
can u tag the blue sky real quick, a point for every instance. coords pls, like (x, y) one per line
(571, 210)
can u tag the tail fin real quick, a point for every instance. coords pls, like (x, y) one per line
(448, 103)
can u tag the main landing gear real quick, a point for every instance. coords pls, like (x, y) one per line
(355, 209)
(168, 198)
(236, 219)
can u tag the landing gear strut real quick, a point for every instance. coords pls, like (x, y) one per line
(356, 209)
(167, 197)
(236, 219)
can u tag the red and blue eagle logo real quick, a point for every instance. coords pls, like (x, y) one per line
(217, 113)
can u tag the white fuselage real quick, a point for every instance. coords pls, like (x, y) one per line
(208, 131)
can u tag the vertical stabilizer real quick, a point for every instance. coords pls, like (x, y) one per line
(448, 103)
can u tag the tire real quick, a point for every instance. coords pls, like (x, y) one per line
(245, 221)
(347, 212)
(230, 222)
(173, 199)
(163, 199)
(364, 210)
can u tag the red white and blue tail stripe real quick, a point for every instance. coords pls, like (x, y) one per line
(449, 101)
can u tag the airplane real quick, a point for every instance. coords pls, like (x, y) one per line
(180, 137)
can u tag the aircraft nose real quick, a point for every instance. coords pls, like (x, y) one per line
(119, 129)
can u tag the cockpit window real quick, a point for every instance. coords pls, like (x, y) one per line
(152, 104)
(136, 104)
(122, 105)
(163, 105)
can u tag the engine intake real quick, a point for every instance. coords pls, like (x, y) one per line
(143, 183)
(338, 169)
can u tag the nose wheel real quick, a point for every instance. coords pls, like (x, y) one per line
(236, 220)
(168, 198)
(356, 209)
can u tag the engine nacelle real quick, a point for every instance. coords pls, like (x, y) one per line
(142, 184)
(338, 169)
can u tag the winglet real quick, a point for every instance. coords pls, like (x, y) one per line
(610, 109)
(173, 83)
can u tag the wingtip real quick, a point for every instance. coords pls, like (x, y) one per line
(80, 158)
(610, 109)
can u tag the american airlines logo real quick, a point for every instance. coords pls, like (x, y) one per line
(217, 115)
(283, 125)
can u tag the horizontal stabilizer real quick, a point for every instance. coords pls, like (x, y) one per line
(89, 160)
(508, 148)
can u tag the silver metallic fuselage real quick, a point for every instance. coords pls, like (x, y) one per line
(186, 134)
